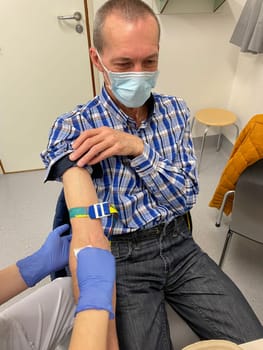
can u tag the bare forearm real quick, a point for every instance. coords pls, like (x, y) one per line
(90, 330)
(11, 283)
(80, 192)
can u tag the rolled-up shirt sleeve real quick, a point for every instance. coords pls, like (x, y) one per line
(55, 157)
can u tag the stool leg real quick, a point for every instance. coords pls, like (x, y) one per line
(192, 123)
(219, 140)
(202, 147)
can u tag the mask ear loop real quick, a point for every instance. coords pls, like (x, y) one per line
(105, 69)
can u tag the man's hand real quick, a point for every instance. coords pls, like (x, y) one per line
(95, 145)
(51, 257)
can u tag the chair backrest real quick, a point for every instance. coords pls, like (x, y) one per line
(247, 213)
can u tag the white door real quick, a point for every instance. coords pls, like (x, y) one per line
(44, 72)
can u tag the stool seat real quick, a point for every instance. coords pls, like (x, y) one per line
(214, 117)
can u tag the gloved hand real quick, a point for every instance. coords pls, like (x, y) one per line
(52, 256)
(96, 276)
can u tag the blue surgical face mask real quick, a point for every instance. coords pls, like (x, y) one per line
(132, 89)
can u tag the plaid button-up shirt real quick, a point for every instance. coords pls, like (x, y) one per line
(147, 190)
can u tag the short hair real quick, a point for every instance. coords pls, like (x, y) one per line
(131, 10)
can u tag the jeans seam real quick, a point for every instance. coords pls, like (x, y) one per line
(165, 341)
(202, 315)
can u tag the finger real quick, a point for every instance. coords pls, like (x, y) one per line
(101, 156)
(89, 157)
(68, 237)
(81, 151)
(93, 144)
(76, 154)
(61, 229)
(83, 137)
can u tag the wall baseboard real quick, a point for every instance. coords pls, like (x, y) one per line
(3, 171)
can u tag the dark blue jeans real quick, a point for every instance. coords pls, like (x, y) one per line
(165, 264)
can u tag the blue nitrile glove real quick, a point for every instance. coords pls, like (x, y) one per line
(52, 256)
(96, 276)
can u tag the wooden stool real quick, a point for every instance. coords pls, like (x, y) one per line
(212, 344)
(214, 117)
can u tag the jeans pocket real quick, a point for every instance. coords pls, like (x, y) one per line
(181, 229)
(121, 250)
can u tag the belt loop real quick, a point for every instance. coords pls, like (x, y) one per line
(164, 227)
(170, 225)
(135, 238)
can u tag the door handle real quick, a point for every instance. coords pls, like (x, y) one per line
(76, 16)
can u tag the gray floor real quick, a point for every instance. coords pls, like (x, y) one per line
(27, 208)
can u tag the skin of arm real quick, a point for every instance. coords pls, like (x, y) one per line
(80, 192)
(11, 283)
(90, 330)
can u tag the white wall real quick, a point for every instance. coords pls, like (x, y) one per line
(198, 63)
(246, 94)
